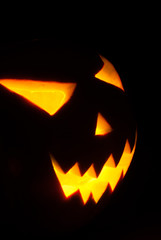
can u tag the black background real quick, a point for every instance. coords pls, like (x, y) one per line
(129, 42)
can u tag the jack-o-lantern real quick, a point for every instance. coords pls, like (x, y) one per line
(67, 133)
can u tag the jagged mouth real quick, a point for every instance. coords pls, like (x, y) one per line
(89, 183)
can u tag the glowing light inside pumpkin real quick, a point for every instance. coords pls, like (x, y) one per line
(108, 74)
(102, 127)
(49, 96)
(89, 183)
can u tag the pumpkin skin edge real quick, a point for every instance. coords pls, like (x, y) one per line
(37, 144)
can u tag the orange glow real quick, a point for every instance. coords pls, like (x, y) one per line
(108, 74)
(49, 96)
(89, 183)
(103, 127)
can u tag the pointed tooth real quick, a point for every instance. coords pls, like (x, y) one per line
(111, 162)
(83, 167)
(75, 170)
(91, 171)
(98, 165)
(55, 164)
(85, 195)
(127, 148)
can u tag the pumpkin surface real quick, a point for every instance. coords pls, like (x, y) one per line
(67, 134)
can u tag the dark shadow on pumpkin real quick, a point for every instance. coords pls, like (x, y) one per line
(48, 61)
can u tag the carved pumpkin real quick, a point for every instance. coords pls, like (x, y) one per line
(68, 136)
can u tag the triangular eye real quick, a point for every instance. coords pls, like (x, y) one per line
(109, 74)
(102, 127)
(49, 96)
